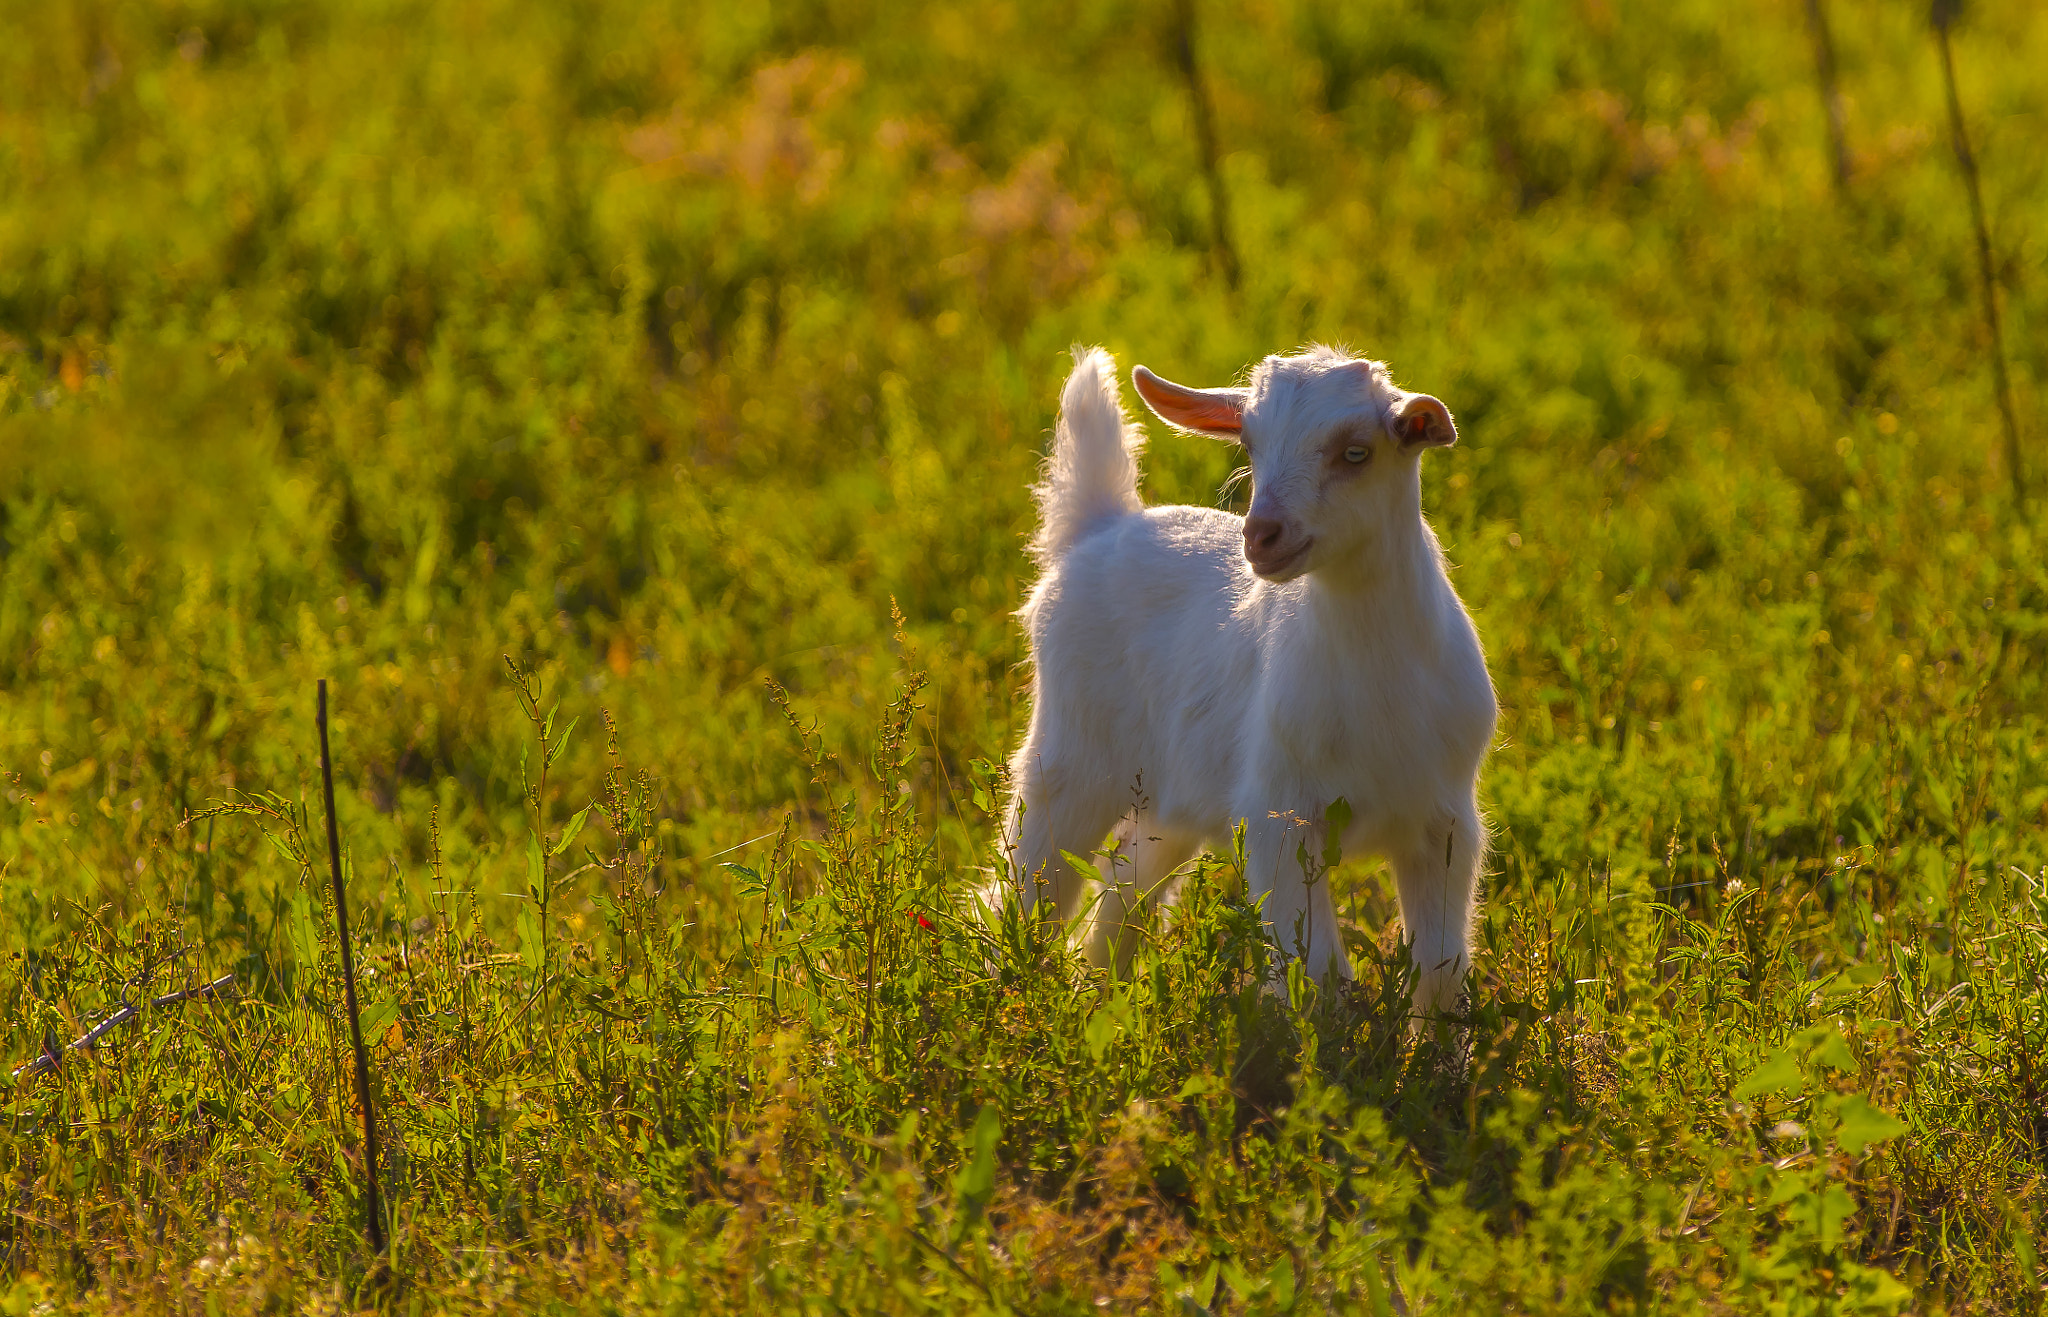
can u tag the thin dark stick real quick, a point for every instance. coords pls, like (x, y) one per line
(1944, 14)
(1205, 136)
(48, 1060)
(348, 988)
(1830, 91)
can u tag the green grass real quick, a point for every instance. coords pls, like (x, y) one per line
(697, 364)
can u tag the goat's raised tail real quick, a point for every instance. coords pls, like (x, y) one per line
(1093, 470)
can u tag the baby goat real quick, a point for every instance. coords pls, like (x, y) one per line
(1194, 670)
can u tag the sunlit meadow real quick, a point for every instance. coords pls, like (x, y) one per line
(630, 410)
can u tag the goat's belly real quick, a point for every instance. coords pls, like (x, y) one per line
(1188, 774)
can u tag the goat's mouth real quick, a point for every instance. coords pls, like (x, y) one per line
(1283, 567)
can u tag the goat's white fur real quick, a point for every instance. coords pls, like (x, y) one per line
(1178, 689)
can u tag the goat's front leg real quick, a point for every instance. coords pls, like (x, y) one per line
(1298, 907)
(1135, 874)
(1437, 873)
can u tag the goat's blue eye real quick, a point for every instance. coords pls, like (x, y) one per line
(1357, 453)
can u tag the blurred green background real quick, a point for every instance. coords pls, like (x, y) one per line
(661, 348)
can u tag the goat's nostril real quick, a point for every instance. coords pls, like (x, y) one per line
(1261, 533)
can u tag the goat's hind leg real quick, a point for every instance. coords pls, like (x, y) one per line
(1048, 814)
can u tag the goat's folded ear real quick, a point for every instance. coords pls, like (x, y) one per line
(1217, 412)
(1420, 421)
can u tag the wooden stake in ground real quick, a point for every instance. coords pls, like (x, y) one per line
(1830, 91)
(1205, 137)
(348, 988)
(1943, 14)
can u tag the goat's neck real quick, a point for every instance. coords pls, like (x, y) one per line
(1393, 585)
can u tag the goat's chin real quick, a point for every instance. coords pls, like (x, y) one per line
(1284, 569)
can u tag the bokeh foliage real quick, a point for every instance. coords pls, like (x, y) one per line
(668, 351)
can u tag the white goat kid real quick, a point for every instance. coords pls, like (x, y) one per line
(1193, 669)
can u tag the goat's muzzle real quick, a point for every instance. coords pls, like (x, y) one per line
(1270, 550)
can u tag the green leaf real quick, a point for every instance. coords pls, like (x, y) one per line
(377, 1018)
(1085, 867)
(1280, 1281)
(1780, 1074)
(1853, 979)
(1863, 1124)
(2023, 1247)
(1830, 1048)
(1336, 818)
(1830, 1208)
(1100, 1032)
(561, 742)
(1376, 1290)
(1873, 1289)
(977, 1179)
(1944, 802)
(1791, 1188)
(569, 833)
(527, 924)
(302, 932)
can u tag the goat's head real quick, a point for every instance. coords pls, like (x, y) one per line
(1334, 449)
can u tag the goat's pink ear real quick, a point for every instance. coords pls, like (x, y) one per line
(1218, 412)
(1420, 421)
